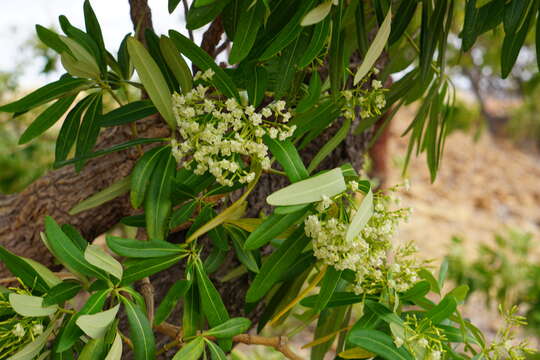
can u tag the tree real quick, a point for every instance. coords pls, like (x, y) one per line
(203, 152)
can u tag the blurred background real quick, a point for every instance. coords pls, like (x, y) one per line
(480, 220)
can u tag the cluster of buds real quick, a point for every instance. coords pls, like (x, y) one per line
(370, 102)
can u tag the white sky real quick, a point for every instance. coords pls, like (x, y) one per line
(18, 17)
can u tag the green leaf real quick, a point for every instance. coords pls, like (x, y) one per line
(338, 298)
(287, 156)
(176, 291)
(96, 325)
(288, 65)
(96, 256)
(157, 205)
(94, 30)
(31, 306)
(328, 286)
(313, 94)
(192, 350)
(33, 348)
(433, 283)
(256, 86)
(288, 33)
(310, 190)
(419, 290)
(361, 217)
(375, 49)
(62, 87)
(67, 252)
(143, 170)
(71, 332)
(250, 20)
(172, 4)
(89, 130)
(23, 270)
(70, 128)
(515, 13)
(51, 39)
(142, 268)
(109, 193)
(336, 52)
(212, 305)
(443, 310)
(47, 275)
(46, 119)
(277, 264)
(459, 293)
(318, 40)
(78, 68)
(152, 79)
(317, 14)
(271, 228)
(400, 23)
(330, 320)
(229, 328)
(331, 145)
(215, 351)
(384, 313)
(378, 343)
(115, 352)
(197, 17)
(191, 317)
(200, 58)
(128, 113)
(132, 248)
(203, 2)
(512, 44)
(176, 63)
(93, 350)
(245, 257)
(181, 215)
(140, 332)
(80, 56)
(119, 147)
(64, 291)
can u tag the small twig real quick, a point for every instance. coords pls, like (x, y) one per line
(186, 9)
(222, 47)
(279, 343)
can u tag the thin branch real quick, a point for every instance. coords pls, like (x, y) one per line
(186, 10)
(280, 343)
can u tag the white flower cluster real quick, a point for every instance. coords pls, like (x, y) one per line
(367, 254)
(219, 136)
(371, 101)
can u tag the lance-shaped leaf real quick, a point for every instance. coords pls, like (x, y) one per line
(250, 20)
(96, 256)
(229, 328)
(70, 128)
(140, 332)
(277, 264)
(317, 42)
(67, 252)
(200, 58)
(46, 119)
(271, 228)
(376, 48)
(109, 193)
(177, 291)
(142, 268)
(176, 63)
(115, 352)
(64, 86)
(152, 79)
(96, 325)
(23, 270)
(361, 217)
(310, 190)
(246, 257)
(51, 39)
(81, 56)
(331, 145)
(287, 156)
(158, 202)
(142, 249)
(192, 350)
(141, 174)
(64, 291)
(215, 351)
(256, 86)
(317, 14)
(328, 286)
(378, 343)
(338, 298)
(89, 130)
(181, 215)
(443, 310)
(31, 306)
(128, 113)
(71, 331)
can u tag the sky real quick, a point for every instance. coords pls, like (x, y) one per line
(18, 19)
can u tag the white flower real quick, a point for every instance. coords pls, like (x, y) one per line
(18, 330)
(423, 342)
(37, 329)
(376, 84)
(208, 74)
(398, 341)
(266, 112)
